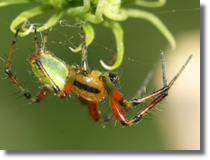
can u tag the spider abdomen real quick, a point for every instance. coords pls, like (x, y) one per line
(56, 69)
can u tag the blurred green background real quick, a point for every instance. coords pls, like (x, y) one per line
(65, 124)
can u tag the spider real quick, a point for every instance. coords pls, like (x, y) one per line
(92, 87)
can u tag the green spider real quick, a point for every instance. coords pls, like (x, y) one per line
(95, 11)
(92, 86)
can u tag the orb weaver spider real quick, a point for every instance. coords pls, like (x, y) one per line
(91, 86)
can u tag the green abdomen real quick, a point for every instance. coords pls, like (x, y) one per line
(55, 68)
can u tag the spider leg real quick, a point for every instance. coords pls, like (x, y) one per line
(45, 40)
(92, 107)
(143, 86)
(82, 100)
(7, 70)
(85, 68)
(93, 110)
(139, 92)
(117, 101)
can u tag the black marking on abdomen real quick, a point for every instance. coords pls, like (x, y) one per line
(85, 87)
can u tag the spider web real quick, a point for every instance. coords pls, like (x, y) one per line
(73, 39)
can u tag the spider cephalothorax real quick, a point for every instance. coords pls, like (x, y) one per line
(91, 86)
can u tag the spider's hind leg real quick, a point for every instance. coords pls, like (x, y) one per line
(117, 101)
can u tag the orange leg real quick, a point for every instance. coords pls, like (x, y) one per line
(82, 100)
(43, 92)
(117, 101)
(93, 110)
(92, 107)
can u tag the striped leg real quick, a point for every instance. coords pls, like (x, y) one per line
(85, 67)
(7, 70)
(117, 101)
(138, 94)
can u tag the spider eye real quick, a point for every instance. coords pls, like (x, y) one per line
(114, 78)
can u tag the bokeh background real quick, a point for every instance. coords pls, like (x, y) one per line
(65, 124)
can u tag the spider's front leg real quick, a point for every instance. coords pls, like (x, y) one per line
(7, 70)
(117, 101)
